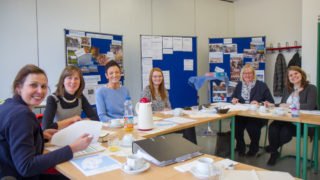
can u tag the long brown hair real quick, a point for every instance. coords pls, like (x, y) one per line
(68, 71)
(22, 75)
(304, 81)
(162, 90)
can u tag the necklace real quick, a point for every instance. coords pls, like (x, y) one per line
(69, 101)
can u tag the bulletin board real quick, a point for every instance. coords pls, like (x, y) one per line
(91, 51)
(229, 55)
(176, 56)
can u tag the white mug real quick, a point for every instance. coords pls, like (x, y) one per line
(279, 111)
(253, 107)
(205, 166)
(115, 123)
(262, 109)
(127, 140)
(177, 112)
(135, 162)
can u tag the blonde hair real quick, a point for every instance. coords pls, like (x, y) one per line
(248, 66)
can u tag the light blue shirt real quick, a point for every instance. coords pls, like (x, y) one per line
(110, 102)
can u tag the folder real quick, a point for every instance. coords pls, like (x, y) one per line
(165, 150)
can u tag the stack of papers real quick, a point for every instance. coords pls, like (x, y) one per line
(314, 112)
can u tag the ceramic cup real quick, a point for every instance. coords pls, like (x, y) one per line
(195, 108)
(115, 123)
(205, 166)
(127, 140)
(262, 109)
(253, 107)
(279, 111)
(177, 112)
(135, 162)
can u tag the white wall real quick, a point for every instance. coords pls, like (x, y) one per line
(35, 28)
(18, 36)
(310, 13)
(279, 21)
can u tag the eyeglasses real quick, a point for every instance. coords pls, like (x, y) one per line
(157, 76)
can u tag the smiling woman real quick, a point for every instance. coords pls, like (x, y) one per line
(21, 138)
(110, 99)
(64, 107)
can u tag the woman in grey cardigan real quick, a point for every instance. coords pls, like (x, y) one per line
(280, 132)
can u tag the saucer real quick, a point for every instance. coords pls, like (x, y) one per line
(194, 171)
(136, 171)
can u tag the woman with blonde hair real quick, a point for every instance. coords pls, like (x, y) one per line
(250, 91)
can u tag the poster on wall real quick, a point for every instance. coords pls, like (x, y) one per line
(91, 51)
(236, 64)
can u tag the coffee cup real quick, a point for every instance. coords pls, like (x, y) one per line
(115, 123)
(205, 166)
(177, 112)
(262, 109)
(135, 162)
(127, 140)
(279, 111)
(253, 107)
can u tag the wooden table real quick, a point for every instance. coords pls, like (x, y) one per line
(70, 171)
(154, 172)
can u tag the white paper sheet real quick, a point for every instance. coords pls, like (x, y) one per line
(167, 51)
(188, 64)
(95, 164)
(146, 46)
(177, 44)
(157, 47)
(179, 120)
(167, 42)
(187, 44)
(69, 134)
(166, 77)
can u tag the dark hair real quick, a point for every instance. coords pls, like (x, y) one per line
(110, 64)
(22, 75)
(162, 90)
(68, 71)
(304, 81)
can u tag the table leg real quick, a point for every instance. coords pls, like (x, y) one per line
(316, 150)
(305, 151)
(232, 136)
(298, 147)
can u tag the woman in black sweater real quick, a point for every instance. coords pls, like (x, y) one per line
(250, 91)
(64, 107)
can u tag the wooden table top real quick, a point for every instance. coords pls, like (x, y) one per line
(154, 172)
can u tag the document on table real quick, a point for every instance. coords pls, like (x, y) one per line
(313, 112)
(179, 120)
(69, 134)
(95, 164)
(91, 149)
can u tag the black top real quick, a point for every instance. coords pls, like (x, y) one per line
(260, 92)
(22, 143)
(51, 109)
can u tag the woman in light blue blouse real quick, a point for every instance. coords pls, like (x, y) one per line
(110, 98)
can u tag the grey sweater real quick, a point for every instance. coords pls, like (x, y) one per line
(308, 97)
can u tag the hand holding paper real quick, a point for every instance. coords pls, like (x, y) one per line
(71, 133)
